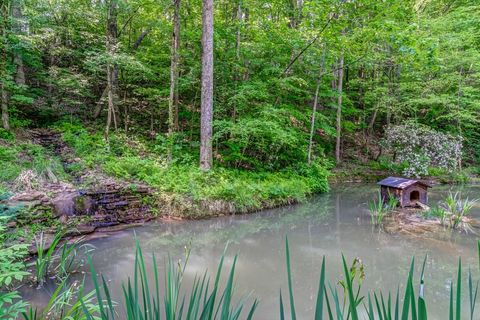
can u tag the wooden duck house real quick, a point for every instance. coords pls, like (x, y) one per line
(408, 192)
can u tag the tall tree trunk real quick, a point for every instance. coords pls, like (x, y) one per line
(111, 49)
(173, 76)
(4, 97)
(4, 7)
(206, 117)
(19, 27)
(238, 75)
(338, 155)
(101, 101)
(314, 108)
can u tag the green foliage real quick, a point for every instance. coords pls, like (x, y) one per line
(246, 190)
(142, 300)
(455, 209)
(31, 159)
(379, 208)
(10, 306)
(268, 140)
(12, 269)
(406, 61)
(6, 135)
(11, 255)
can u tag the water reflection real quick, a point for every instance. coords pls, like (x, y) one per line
(327, 225)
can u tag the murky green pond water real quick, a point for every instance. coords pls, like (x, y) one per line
(326, 225)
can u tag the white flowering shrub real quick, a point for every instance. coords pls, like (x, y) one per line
(421, 147)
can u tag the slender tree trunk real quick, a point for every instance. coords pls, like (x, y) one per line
(100, 102)
(111, 49)
(206, 157)
(238, 42)
(126, 118)
(338, 155)
(173, 76)
(19, 27)
(314, 108)
(5, 117)
(3, 65)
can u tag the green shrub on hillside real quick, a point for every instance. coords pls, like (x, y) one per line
(247, 190)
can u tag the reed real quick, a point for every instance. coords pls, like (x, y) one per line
(380, 208)
(56, 259)
(382, 307)
(456, 209)
(207, 299)
(45, 256)
(142, 299)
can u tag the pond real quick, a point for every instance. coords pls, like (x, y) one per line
(326, 225)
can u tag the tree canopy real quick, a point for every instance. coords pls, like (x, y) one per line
(388, 61)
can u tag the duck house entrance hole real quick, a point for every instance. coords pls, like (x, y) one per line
(414, 196)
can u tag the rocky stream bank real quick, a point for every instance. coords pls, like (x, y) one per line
(80, 203)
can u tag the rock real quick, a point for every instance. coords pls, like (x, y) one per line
(64, 204)
(84, 205)
(28, 196)
(11, 224)
(81, 229)
(63, 219)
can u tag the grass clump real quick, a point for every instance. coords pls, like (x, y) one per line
(55, 258)
(456, 209)
(27, 165)
(380, 208)
(452, 211)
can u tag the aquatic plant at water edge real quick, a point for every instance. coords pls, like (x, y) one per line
(379, 209)
(63, 259)
(44, 256)
(65, 303)
(456, 208)
(142, 299)
(437, 212)
(377, 305)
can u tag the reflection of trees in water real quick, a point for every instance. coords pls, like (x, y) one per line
(236, 228)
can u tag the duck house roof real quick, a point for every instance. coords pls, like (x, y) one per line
(401, 183)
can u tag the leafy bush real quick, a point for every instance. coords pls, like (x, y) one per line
(422, 147)
(270, 140)
(246, 190)
(12, 269)
(6, 135)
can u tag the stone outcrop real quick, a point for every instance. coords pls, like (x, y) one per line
(90, 197)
